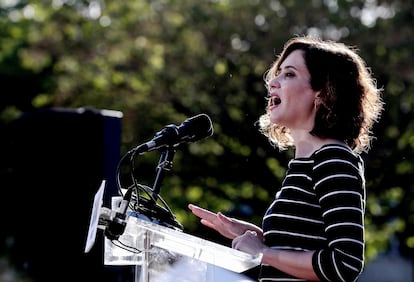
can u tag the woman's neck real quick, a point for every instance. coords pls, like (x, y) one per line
(306, 144)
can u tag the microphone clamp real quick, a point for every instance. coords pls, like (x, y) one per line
(116, 227)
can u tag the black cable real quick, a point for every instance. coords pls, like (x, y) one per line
(140, 199)
(125, 247)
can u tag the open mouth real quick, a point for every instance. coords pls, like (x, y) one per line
(274, 100)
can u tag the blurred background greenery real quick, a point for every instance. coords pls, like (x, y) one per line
(161, 61)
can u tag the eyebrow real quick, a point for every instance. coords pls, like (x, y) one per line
(287, 67)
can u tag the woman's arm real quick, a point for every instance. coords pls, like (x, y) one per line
(295, 263)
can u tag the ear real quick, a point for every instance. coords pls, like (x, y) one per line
(318, 100)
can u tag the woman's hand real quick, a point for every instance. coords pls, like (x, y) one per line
(226, 226)
(249, 243)
(217, 221)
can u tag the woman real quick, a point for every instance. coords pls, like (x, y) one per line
(323, 102)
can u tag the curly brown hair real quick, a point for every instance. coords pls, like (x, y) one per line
(349, 103)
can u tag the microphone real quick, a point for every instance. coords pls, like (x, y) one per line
(117, 224)
(192, 129)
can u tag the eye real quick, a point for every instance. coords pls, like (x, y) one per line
(284, 73)
(289, 74)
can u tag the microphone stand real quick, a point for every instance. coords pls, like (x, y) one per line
(164, 164)
(149, 206)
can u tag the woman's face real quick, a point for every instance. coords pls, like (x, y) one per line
(291, 102)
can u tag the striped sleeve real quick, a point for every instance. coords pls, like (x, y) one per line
(340, 186)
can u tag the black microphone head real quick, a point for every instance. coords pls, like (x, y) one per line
(195, 128)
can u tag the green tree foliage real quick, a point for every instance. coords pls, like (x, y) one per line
(161, 61)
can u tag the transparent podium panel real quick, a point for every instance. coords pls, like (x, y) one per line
(187, 269)
(161, 251)
(163, 267)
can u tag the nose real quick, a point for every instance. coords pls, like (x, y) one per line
(274, 83)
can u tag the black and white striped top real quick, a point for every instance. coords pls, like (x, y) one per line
(320, 206)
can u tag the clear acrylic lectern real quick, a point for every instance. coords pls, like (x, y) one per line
(165, 254)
